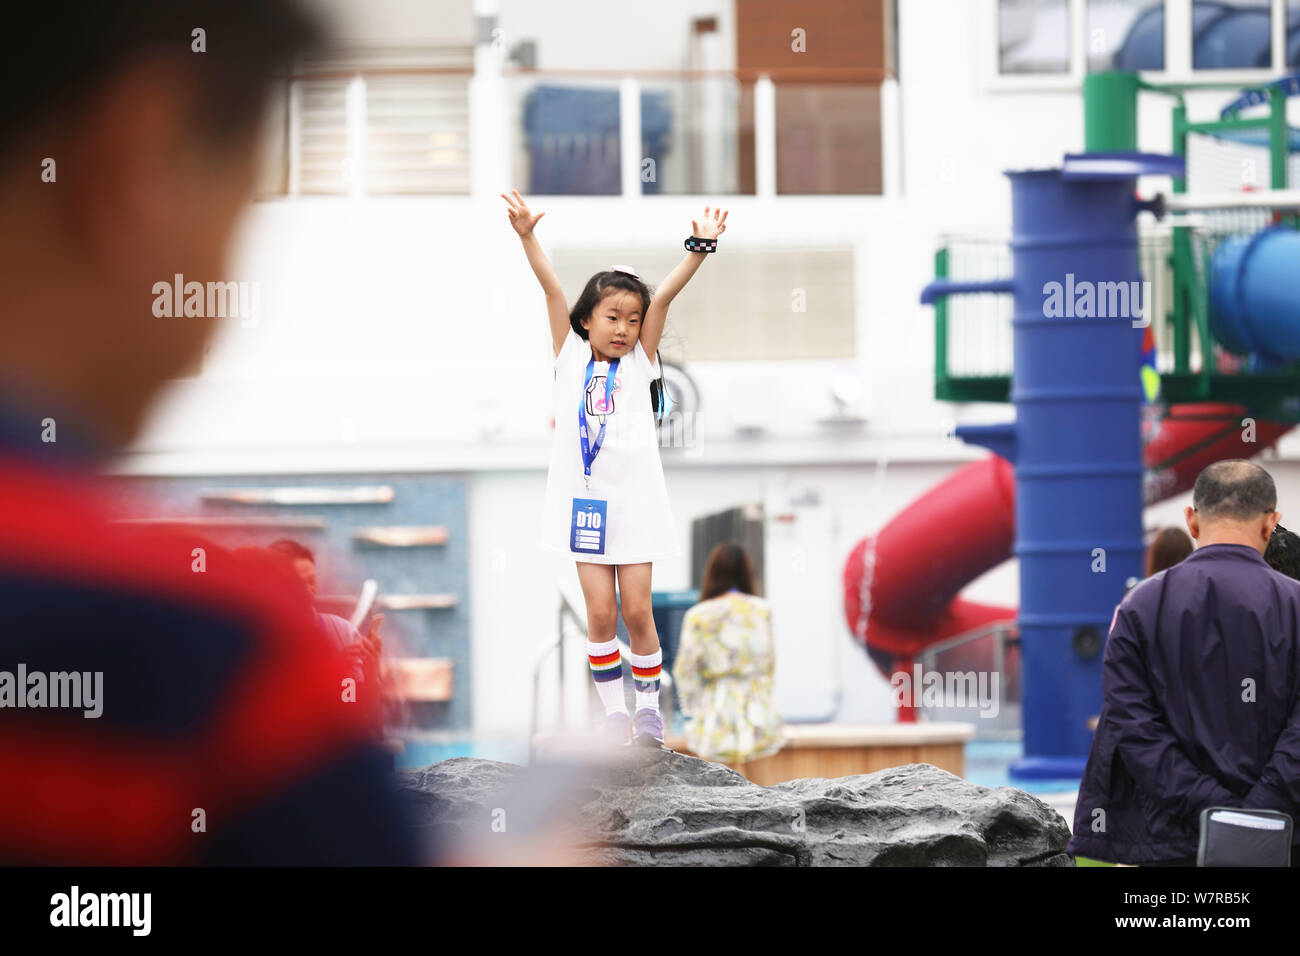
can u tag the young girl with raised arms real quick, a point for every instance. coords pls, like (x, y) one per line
(606, 501)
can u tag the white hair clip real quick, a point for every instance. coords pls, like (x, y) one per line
(628, 269)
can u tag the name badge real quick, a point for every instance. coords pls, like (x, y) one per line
(587, 531)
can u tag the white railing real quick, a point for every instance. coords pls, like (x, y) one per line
(1006, 722)
(332, 138)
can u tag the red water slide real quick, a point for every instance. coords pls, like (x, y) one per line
(901, 586)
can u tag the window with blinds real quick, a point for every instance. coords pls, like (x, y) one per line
(322, 136)
(382, 122)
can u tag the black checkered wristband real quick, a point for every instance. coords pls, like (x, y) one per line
(696, 244)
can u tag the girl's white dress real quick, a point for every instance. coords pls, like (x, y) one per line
(627, 473)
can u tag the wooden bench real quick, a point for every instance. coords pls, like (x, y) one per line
(840, 750)
(419, 678)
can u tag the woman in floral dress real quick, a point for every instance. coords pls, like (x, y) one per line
(724, 666)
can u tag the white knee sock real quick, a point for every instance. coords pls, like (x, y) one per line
(645, 678)
(607, 671)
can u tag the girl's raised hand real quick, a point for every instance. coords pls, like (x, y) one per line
(710, 228)
(521, 218)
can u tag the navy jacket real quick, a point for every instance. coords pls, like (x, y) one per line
(1198, 712)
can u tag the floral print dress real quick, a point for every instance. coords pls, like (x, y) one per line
(723, 679)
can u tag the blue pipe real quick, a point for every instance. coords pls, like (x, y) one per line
(999, 439)
(945, 287)
(1252, 295)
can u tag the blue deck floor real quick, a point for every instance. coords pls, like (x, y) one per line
(987, 761)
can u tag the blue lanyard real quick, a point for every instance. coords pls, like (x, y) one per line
(589, 453)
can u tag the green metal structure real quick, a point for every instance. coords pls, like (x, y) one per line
(1182, 261)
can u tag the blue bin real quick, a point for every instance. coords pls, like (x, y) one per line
(669, 608)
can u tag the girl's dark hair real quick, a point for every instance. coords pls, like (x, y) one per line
(1283, 552)
(1170, 546)
(728, 567)
(598, 286)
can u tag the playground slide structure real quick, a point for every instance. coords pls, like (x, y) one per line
(1073, 472)
(901, 585)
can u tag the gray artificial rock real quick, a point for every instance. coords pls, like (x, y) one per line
(661, 808)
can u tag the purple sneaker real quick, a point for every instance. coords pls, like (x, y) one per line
(648, 728)
(618, 727)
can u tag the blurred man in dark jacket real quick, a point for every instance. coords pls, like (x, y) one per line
(159, 704)
(1201, 686)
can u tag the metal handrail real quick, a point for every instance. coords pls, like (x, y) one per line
(866, 75)
(869, 76)
(567, 612)
(966, 637)
(998, 630)
(1257, 199)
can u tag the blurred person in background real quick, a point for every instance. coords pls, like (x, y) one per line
(1168, 547)
(126, 158)
(1283, 552)
(363, 652)
(725, 662)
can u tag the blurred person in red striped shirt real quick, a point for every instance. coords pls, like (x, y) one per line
(128, 147)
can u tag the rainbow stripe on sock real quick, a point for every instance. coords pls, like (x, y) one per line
(646, 678)
(606, 667)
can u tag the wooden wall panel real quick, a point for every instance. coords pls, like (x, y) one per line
(839, 33)
(828, 140)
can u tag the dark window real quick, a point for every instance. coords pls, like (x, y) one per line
(1126, 35)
